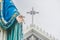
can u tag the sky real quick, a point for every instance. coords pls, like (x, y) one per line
(49, 14)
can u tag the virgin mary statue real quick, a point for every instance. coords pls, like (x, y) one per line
(8, 22)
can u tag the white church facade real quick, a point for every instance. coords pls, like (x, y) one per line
(36, 33)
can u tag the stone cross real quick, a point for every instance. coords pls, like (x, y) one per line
(33, 12)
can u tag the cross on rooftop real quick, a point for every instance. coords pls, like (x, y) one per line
(32, 12)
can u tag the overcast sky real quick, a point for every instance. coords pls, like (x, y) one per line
(48, 17)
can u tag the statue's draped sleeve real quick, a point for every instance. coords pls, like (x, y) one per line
(8, 14)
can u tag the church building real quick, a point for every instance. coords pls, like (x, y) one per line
(36, 33)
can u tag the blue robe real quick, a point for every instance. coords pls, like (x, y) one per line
(8, 20)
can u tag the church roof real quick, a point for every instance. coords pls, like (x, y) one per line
(37, 31)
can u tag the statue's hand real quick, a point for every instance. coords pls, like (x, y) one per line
(20, 19)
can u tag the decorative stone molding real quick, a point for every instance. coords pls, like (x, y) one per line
(40, 30)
